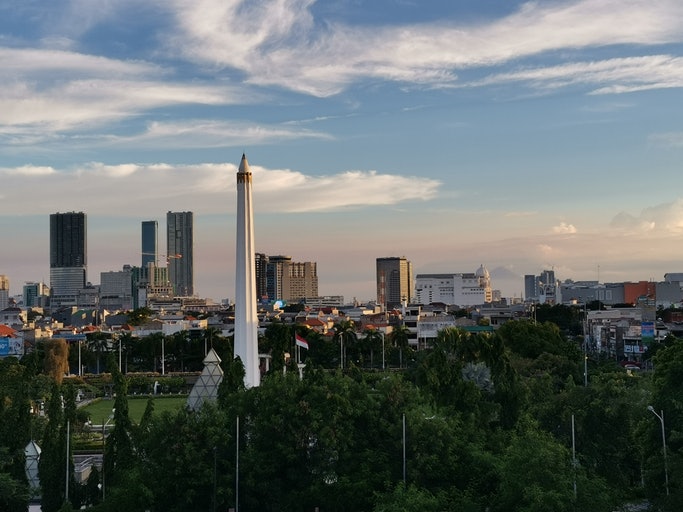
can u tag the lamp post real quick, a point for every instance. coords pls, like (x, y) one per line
(383, 365)
(660, 417)
(104, 434)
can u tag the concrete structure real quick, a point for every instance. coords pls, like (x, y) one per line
(150, 243)
(35, 294)
(4, 291)
(471, 289)
(280, 278)
(246, 318)
(531, 288)
(624, 334)
(116, 289)
(68, 257)
(179, 252)
(394, 281)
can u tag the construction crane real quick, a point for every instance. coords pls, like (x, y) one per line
(167, 256)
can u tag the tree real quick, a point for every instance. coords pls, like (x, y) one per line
(374, 342)
(399, 338)
(15, 429)
(537, 475)
(180, 457)
(408, 499)
(119, 450)
(56, 358)
(278, 340)
(51, 466)
(667, 384)
(98, 342)
(139, 316)
(345, 335)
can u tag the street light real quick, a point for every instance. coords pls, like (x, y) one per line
(666, 466)
(104, 433)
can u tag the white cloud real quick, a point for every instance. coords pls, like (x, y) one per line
(279, 43)
(670, 139)
(78, 104)
(103, 189)
(620, 75)
(563, 229)
(662, 218)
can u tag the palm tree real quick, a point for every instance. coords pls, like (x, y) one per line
(399, 338)
(345, 334)
(98, 342)
(373, 338)
(126, 341)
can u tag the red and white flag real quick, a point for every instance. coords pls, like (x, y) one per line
(301, 342)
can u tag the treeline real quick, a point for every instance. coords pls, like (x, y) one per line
(497, 422)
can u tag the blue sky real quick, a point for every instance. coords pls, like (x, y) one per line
(518, 135)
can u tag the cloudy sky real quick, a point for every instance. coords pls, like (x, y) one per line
(518, 135)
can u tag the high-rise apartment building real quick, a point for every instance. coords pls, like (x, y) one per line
(394, 281)
(4, 291)
(260, 267)
(68, 257)
(179, 244)
(150, 242)
(530, 287)
(276, 269)
(303, 281)
(288, 280)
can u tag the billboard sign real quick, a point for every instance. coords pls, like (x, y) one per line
(11, 347)
(647, 333)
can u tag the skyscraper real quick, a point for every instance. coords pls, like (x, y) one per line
(289, 280)
(68, 257)
(394, 281)
(179, 243)
(246, 319)
(150, 243)
(261, 262)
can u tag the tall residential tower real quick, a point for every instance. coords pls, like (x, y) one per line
(246, 319)
(150, 242)
(394, 281)
(179, 243)
(68, 257)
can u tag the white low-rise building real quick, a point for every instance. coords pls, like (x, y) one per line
(462, 289)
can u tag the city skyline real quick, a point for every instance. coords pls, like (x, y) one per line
(521, 135)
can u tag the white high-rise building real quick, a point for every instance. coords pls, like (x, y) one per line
(246, 318)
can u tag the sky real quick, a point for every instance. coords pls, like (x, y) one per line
(521, 136)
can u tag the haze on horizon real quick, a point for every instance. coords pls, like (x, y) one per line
(518, 135)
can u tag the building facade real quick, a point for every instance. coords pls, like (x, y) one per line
(35, 294)
(461, 289)
(179, 252)
(116, 289)
(287, 280)
(150, 243)
(68, 257)
(4, 291)
(394, 281)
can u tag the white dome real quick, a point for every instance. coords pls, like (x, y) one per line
(482, 272)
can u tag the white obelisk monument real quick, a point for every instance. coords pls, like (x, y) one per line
(246, 319)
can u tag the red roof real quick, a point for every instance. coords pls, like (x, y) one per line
(6, 331)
